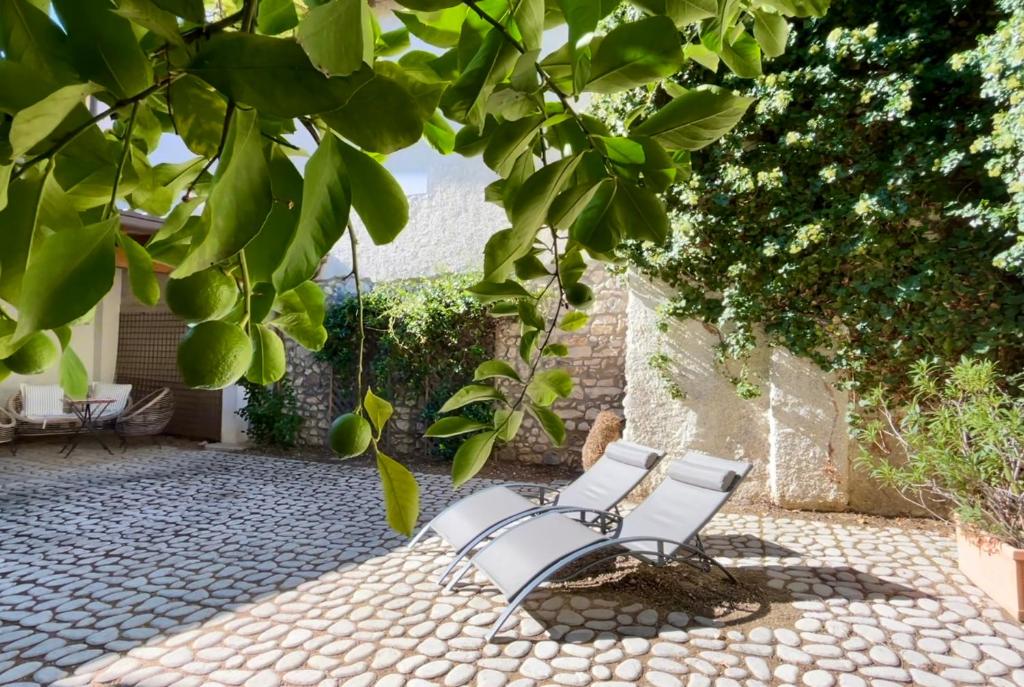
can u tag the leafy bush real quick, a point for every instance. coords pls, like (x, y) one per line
(850, 216)
(963, 435)
(272, 413)
(425, 338)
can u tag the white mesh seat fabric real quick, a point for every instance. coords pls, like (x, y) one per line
(675, 512)
(620, 469)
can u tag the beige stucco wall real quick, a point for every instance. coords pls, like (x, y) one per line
(795, 431)
(95, 343)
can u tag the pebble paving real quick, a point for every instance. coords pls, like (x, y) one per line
(168, 567)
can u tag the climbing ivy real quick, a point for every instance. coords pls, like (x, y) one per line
(853, 216)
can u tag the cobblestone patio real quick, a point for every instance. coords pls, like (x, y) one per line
(173, 567)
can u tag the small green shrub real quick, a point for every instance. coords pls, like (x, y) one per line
(425, 338)
(272, 413)
(963, 435)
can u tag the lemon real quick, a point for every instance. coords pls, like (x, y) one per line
(32, 357)
(206, 295)
(213, 355)
(349, 435)
(579, 295)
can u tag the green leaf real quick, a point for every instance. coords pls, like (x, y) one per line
(149, 15)
(527, 343)
(471, 393)
(276, 16)
(338, 36)
(641, 214)
(530, 267)
(622, 151)
(453, 426)
(596, 226)
(401, 494)
(556, 350)
(198, 114)
(530, 315)
(695, 119)
(378, 409)
(568, 205)
(495, 368)
(261, 301)
(428, 5)
(439, 28)
(682, 12)
(5, 179)
(582, 17)
(376, 196)
(635, 54)
(192, 10)
(529, 206)
(39, 120)
(742, 56)
(74, 379)
(240, 200)
(324, 214)
(507, 423)
(268, 356)
(301, 315)
(471, 457)
(771, 32)
(465, 100)
(104, 46)
(439, 134)
(140, 271)
(799, 8)
(701, 55)
(548, 385)
(67, 274)
(274, 75)
(29, 38)
(502, 250)
(529, 17)
(381, 116)
(550, 422)
(18, 226)
(487, 292)
(509, 141)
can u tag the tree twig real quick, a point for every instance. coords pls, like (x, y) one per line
(125, 152)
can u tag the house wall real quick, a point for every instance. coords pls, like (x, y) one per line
(95, 343)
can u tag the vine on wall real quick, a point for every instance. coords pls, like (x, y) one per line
(853, 216)
(425, 339)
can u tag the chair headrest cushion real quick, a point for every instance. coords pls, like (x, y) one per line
(633, 454)
(702, 474)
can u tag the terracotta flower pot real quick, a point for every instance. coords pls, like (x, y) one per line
(995, 567)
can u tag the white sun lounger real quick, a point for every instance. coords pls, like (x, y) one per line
(662, 529)
(469, 521)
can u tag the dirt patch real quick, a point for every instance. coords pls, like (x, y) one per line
(747, 603)
(910, 524)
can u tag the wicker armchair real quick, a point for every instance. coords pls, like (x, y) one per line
(148, 416)
(7, 427)
(34, 427)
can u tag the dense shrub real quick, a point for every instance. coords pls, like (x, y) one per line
(963, 435)
(852, 214)
(425, 338)
(272, 413)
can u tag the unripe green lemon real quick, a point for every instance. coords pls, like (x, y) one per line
(206, 295)
(579, 295)
(349, 435)
(213, 355)
(34, 356)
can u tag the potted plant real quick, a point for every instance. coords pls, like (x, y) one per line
(962, 435)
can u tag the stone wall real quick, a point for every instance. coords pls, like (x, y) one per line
(313, 382)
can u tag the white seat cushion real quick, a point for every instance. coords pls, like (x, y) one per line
(118, 392)
(42, 400)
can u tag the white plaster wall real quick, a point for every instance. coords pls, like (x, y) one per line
(94, 342)
(449, 220)
(711, 418)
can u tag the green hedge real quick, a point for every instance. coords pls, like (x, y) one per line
(425, 338)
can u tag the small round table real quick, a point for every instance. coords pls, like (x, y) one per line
(87, 411)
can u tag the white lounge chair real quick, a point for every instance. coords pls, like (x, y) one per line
(662, 529)
(469, 521)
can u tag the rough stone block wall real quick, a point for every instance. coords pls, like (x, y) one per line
(597, 362)
(312, 380)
